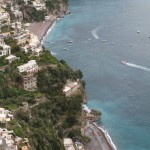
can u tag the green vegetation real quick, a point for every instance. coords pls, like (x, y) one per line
(33, 14)
(96, 112)
(52, 4)
(49, 115)
(44, 116)
(10, 41)
(5, 28)
(3, 61)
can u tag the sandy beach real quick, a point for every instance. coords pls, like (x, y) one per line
(40, 28)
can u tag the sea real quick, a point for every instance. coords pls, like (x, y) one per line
(109, 41)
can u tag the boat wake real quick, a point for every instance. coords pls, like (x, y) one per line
(94, 32)
(137, 66)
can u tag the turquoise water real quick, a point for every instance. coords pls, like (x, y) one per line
(121, 92)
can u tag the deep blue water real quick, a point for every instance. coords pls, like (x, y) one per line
(121, 92)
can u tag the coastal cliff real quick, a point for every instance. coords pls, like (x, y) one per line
(32, 83)
(47, 101)
(45, 116)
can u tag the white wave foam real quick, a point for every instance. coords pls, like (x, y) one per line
(94, 32)
(49, 30)
(138, 66)
(109, 140)
(53, 53)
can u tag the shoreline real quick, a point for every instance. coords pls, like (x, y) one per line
(49, 30)
(106, 135)
(44, 28)
(40, 29)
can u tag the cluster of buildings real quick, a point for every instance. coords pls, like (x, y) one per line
(4, 17)
(70, 145)
(28, 42)
(8, 140)
(90, 115)
(29, 80)
(5, 51)
(14, 8)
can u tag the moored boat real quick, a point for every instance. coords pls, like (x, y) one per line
(123, 62)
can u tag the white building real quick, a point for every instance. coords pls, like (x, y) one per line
(6, 140)
(68, 144)
(39, 5)
(5, 50)
(21, 37)
(11, 58)
(86, 109)
(5, 115)
(1, 40)
(4, 17)
(29, 67)
(35, 44)
(17, 25)
(47, 18)
(71, 87)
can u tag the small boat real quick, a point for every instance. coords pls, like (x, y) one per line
(66, 49)
(138, 31)
(103, 40)
(70, 41)
(123, 62)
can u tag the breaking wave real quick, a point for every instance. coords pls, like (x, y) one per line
(107, 136)
(53, 53)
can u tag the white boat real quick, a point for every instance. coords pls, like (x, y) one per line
(103, 40)
(138, 31)
(70, 42)
(123, 62)
(66, 49)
